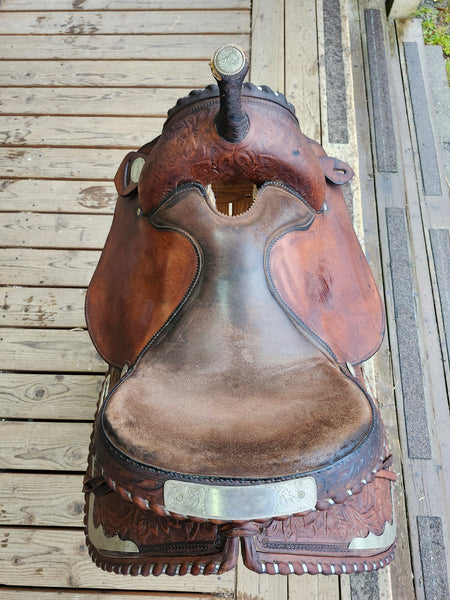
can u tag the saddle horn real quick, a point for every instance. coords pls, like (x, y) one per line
(229, 65)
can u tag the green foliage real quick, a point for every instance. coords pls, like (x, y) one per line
(436, 29)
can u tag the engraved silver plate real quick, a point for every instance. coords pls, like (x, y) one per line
(136, 169)
(375, 542)
(235, 503)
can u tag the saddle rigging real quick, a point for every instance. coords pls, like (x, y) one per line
(235, 306)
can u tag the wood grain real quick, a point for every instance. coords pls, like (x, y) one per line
(48, 350)
(61, 163)
(104, 73)
(59, 268)
(30, 594)
(44, 446)
(59, 558)
(35, 230)
(39, 195)
(41, 500)
(49, 396)
(147, 5)
(152, 102)
(302, 71)
(97, 132)
(12, 593)
(111, 22)
(375, 241)
(267, 59)
(25, 230)
(314, 587)
(117, 47)
(42, 307)
(253, 585)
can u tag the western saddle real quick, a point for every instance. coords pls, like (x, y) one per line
(235, 306)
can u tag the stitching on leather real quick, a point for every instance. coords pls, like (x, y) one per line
(281, 300)
(376, 421)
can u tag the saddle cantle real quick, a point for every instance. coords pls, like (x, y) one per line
(235, 405)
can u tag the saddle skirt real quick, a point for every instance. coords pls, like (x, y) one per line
(235, 306)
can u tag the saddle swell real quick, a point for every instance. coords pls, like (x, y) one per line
(235, 397)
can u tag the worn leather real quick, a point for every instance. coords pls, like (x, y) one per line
(322, 277)
(140, 281)
(189, 405)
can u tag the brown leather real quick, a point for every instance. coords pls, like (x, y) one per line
(274, 149)
(143, 276)
(189, 404)
(162, 545)
(322, 277)
(319, 542)
(314, 543)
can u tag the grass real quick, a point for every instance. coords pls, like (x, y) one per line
(436, 29)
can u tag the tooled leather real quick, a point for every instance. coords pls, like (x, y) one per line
(319, 542)
(358, 516)
(188, 404)
(322, 277)
(164, 545)
(143, 276)
(143, 485)
(190, 150)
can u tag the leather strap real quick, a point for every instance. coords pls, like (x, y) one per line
(336, 170)
(127, 176)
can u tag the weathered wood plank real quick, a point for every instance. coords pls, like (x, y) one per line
(109, 132)
(147, 5)
(61, 163)
(40, 195)
(42, 307)
(48, 350)
(153, 102)
(401, 9)
(302, 71)
(12, 593)
(108, 22)
(314, 587)
(401, 577)
(252, 585)
(59, 268)
(37, 230)
(39, 499)
(45, 446)
(116, 47)
(104, 73)
(52, 396)
(267, 63)
(59, 558)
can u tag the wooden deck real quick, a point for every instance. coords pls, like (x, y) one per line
(84, 81)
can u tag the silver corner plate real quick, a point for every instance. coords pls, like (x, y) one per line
(241, 502)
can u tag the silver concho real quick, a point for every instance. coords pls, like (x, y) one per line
(228, 60)
(136, 169)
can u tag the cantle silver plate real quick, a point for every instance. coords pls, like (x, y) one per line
(245, 502)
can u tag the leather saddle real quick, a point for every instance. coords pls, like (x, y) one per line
(235, 306)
